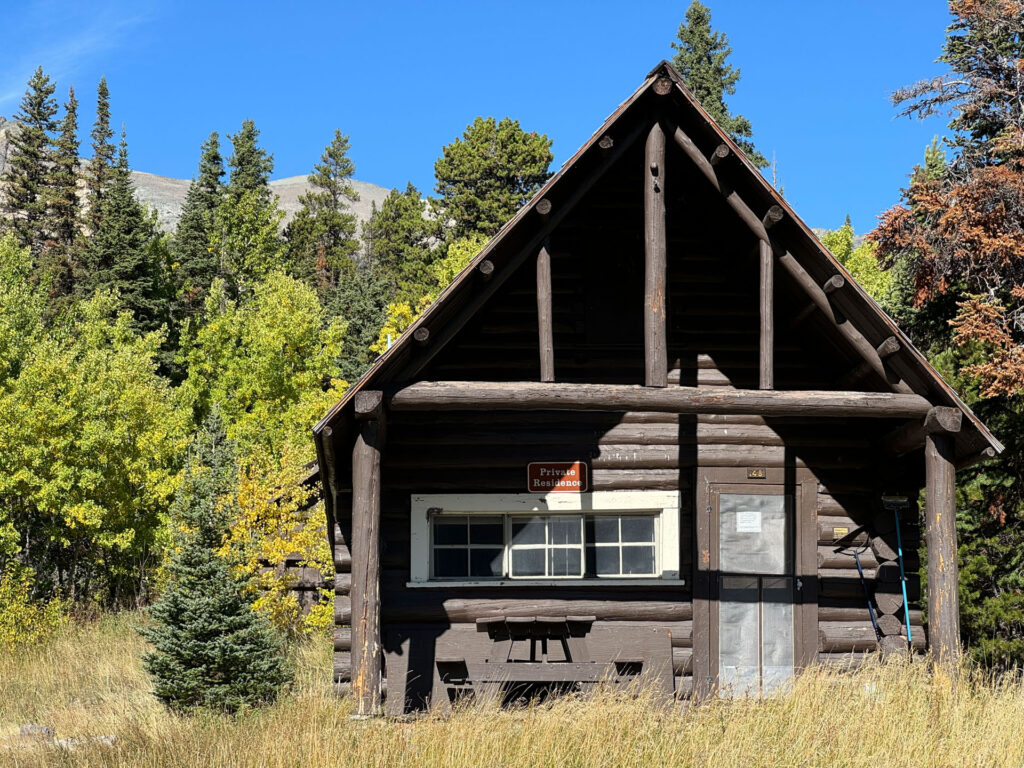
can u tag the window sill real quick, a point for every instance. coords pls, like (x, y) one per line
(597, 583)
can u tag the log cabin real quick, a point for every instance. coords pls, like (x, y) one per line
(654, 431)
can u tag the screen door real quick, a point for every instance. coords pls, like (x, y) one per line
(755, 592)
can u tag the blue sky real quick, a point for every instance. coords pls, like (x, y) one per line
(405, 78)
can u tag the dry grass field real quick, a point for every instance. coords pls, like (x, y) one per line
(89, 683)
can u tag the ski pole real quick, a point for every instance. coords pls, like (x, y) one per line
(867, 595)
(903, 575)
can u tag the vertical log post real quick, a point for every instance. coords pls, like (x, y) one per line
(940, 537)
(544, 321)
(766, 378)
(365, 591)
(655, 315)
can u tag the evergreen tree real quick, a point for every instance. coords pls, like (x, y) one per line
(246, 236)
(119, 255)
(400, 244)
(362, 301)
(250, 164)
(487, 175)
(100, 168)
(211, 650)
(196, 263)
(701, 55)
(60, 255)
(26, 174)
(321, 237)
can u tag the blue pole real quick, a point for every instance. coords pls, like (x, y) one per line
(903, 576)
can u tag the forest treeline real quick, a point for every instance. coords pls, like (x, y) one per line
(119, 341)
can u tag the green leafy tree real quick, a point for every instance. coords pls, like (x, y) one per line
(196, 264)
(92, 444)
(322, 236)
(401, 245)
(120, 255)
(701, 58)
(210, 649)
(100, 168)
(269, 363)
(65, 211)
(26, 174)
(21, 307)
(246, 238)
(487, 175)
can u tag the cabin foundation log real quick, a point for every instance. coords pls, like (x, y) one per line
(366, 653)
(655, 247)
(530, 396)
(940, 536)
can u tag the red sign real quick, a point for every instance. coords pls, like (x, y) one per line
(556, 477)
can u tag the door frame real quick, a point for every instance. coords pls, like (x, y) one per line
(802, 486)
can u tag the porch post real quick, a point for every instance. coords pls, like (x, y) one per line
(940, 537)
(366, 634)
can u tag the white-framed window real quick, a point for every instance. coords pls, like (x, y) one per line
(510, 538)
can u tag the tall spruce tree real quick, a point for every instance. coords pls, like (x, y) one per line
(250, 164)
(64, 207)
(246, 233)
(400, 244)
(701, 55)
(26, 175)
(100, 168)
(196, 263)
(119, 256)
(210, 649)
(322, 236)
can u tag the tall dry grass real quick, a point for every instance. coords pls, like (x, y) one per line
(88, 682)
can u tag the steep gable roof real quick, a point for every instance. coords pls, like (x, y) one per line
(525, 232)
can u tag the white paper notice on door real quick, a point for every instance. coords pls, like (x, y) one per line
(748, 521)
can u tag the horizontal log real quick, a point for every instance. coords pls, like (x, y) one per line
(858, 612)
(891, 625)
(627, 457)
(684, 686)
(831, 557)
(342, 666)
(342, 610)
(682, 661)
(342, 558)
(844, 637)
(836, 530)
(342, 583)
(911, 436)
(523, 395)
(513, 480)
(343, 638)
(890, 601)
(848, 660)
(416, 606)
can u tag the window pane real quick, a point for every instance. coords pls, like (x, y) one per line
(528, 562)
(450, 563)
(603, 561)
(450, 530)
(485, 562)
(564, 530)
(638, 528)
(528, 530)
(638, 559)
(563, 562)
(753, 533)
(603, 530)
(487, 530)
